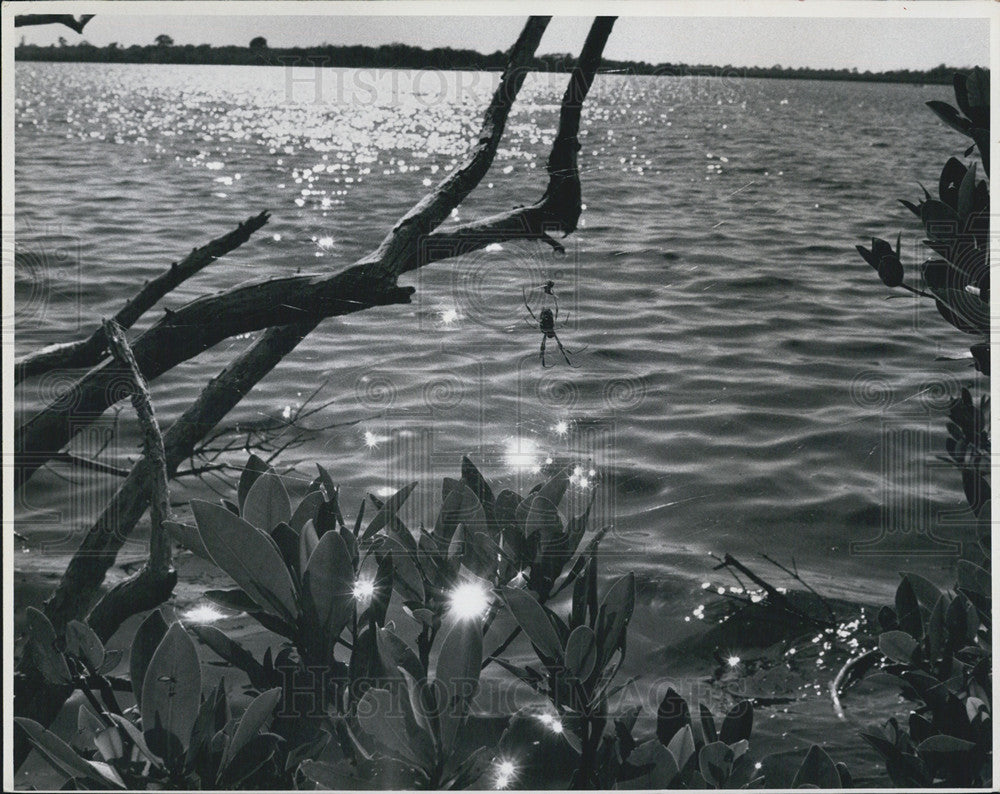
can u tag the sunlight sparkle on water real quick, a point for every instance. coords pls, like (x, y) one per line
(364, 589)
(522, 453)
(561, 427)
(506, 771)
(371, 440)
(469, 601)
(449, 316)
(551, 722)
(203, 613)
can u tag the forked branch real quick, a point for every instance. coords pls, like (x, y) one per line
(207, 321)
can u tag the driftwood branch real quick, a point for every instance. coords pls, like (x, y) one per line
(88, 352)
(205, 322)
(74, 23)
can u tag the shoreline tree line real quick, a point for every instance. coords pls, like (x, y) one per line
(405, 56)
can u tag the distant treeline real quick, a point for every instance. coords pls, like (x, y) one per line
(404, 56)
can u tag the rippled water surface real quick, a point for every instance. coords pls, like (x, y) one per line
(738, 364)
(740, 375)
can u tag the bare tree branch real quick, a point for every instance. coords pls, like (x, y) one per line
(156, 580)
(560, 206)
(88, 352)
(152, 585)
(75, 23)
(86, 571)
(388, 261)
(199, 325)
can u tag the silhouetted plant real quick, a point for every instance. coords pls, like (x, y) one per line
(398, 713)
(957, 228)
(173, 737)
(938, 645)
(305, 575)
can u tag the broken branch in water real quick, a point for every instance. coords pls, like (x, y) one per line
(795, 575)
(855, 667)
(775, 596)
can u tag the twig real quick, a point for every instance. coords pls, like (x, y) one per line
(503, 646)
(198, 472)
(919, 292)
(795, 575)
(838, 683)
(778, 598)
(88, 463)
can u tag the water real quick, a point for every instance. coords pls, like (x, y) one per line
(740, 376)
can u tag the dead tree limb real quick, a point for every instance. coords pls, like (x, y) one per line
(85, 574)
(389, 260)
(560, 206)
(74, 23)
(88, 352)
(152, 585)
(205, 322)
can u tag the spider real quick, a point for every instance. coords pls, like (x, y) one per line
(546, 320)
